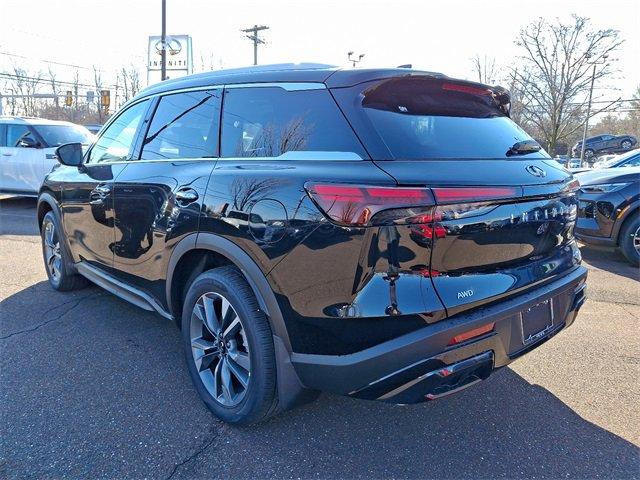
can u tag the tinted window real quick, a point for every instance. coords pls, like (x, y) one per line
(426, 118)
(3, 135)
(185, 125)
(269, 121)
(16, 133)
(116, 142)
(56, 135)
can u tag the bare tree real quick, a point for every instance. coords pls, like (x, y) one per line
(554, 74)
(26, 85)
(97, 80)
(485, 69)
(130, 81)
(55, 89)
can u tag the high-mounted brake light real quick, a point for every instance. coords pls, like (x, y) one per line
(356, 205)
(474, 194)
(456, 87)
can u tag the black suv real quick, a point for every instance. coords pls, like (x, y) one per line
(604, 144)
(383, 234)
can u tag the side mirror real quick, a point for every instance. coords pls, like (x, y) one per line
(28, 142)
(70, 154)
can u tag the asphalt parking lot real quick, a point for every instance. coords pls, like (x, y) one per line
(91, 386)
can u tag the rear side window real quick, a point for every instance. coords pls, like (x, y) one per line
(185, 125)
(270, 121)
(428, 118)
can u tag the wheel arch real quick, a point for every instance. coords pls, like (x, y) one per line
(46, 203)
(627, 215)
(234, 255)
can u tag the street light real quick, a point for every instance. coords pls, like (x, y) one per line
(353, 60)
(586, 122)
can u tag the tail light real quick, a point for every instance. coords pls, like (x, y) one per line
(474, 194)
(357, 205)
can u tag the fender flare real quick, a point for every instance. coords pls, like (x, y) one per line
(248, 267)
(628, 211)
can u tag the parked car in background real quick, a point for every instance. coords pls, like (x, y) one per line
(609, 210)
(27, 151)
(601, 144)
(629, 159)
(574, 165)
(93, 127)
(313, 228)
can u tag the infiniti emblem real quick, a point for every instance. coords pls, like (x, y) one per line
(536, 171)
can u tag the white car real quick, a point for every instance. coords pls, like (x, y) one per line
(27, 151)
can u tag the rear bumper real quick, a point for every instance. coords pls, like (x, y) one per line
(420, 365)
(593, 240)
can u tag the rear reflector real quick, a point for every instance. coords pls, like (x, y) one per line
(476, 332)
(474, 194)
(355, 205)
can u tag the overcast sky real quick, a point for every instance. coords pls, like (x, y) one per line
(440, 36)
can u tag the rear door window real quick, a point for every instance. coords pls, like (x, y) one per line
(432, 118)
(271, 121)
(185, 125)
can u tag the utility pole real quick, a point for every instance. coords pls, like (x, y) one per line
(163, 42)
(255, 39)
(586, 122)
(353, 60)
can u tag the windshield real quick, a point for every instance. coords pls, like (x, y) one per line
(629, 159)
(56, 135)
(434, 118)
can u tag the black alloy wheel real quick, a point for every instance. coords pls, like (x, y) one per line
(229, 347)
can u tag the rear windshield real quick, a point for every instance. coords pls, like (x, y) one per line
(56, 135)
(427, 118)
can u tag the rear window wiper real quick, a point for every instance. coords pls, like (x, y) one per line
(523, 148)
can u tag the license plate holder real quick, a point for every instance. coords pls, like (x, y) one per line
(536, 321)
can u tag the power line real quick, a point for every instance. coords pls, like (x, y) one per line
(47, 80)
(48, 61)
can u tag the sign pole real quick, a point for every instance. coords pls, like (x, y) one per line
(163, 40)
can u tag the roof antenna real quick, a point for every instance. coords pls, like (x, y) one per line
(406, 65)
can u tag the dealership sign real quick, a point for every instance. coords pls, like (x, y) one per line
(179, 57)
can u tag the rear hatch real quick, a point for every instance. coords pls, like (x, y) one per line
(505, 211)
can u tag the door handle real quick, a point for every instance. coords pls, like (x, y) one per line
(186, 196)
(102, 190)
(100, 193)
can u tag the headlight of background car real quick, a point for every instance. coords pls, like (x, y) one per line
(603, 188)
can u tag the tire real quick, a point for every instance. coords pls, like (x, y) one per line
(57, 261)
(230, 357)
(630, 239)
(625, 144)
(588, 153)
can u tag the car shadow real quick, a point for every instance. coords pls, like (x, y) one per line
(609, 260)
(504, 427)
(104, 376)
(18, 216)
